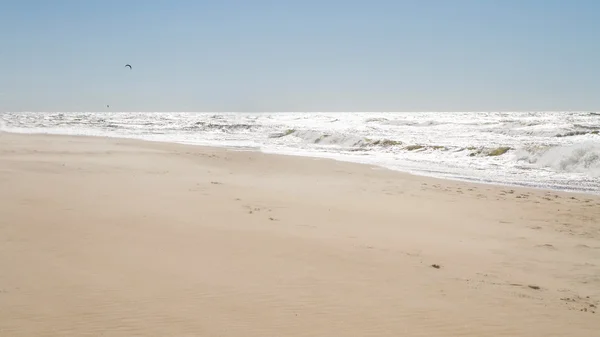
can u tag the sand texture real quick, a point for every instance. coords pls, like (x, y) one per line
(111, 237)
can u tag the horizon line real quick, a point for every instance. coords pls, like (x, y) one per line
(340, 111)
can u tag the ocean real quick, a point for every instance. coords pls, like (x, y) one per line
(551, 150)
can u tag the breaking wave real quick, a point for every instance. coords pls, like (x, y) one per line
(579, 158)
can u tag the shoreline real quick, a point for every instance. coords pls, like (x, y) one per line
(374, 166)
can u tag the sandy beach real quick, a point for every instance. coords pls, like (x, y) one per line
(113, 237)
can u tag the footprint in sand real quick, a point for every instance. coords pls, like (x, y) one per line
(582, 246)
(252, 209)
(582, 304)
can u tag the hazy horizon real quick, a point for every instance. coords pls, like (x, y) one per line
(291, 112)
(325, 56)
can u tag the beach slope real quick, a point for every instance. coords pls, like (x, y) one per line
(112, 237)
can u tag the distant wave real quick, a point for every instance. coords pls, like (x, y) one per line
(351, 142)
(578, 133)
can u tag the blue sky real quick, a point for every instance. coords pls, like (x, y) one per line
(328, 55)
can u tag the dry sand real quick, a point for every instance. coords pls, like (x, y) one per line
(109, 237)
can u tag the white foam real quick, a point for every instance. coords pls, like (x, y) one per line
(580, 158)
(547, 149)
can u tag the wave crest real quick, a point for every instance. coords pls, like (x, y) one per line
(575, 158)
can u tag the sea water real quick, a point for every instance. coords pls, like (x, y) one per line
(553, 150)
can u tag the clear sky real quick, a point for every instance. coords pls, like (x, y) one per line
(299, 55)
